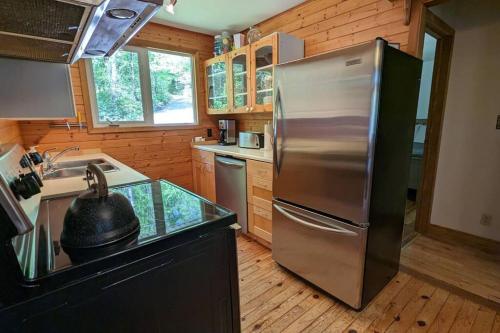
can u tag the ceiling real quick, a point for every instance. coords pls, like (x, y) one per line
(213, 16)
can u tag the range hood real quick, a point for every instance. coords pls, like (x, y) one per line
(64, 31)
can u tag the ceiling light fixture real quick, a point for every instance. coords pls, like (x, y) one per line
(170, 6)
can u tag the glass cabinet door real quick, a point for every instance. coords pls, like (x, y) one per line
(217, 85)
(239, 80)
(263, 67)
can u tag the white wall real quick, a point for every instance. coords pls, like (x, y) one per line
(468, 175)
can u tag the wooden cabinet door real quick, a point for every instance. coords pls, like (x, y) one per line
(197, 174)
(216, 74)
(208, 182)
(239, 79)
(260, 193)
(263, 57)
(204, 174)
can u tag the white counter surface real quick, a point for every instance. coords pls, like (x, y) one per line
(235, 151)
(73, 185)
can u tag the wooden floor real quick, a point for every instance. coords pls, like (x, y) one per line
(273, 300)
(462, 267)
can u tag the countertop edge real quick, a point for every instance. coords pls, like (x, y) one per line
(247, 153)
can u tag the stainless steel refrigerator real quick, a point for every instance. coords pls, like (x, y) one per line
(343, 125)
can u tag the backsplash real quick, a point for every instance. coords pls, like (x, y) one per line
(250, 122)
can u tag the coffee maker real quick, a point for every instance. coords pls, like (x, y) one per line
(227, 135)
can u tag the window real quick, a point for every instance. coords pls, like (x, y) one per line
(143, 87)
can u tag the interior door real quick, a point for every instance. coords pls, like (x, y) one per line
(324, 123)
(324, 251)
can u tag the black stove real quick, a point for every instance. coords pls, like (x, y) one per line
(163, 210)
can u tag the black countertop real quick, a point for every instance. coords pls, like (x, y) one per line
(164, 210)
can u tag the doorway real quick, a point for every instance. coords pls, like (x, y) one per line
(437, 49)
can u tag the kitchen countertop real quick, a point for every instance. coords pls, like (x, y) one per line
(72, 185)
(235, 151)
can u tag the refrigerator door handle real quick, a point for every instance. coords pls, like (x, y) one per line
(294, 218)
(277, 105)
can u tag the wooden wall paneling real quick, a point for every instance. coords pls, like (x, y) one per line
(162, 153)
(10, 132)
(326, 25)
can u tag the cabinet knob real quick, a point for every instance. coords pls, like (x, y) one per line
(247, 109)
(251, 109)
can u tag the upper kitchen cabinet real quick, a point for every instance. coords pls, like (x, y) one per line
(264, 57)
(247, 73)
(271, 50)
(216, 70)
(239, 64)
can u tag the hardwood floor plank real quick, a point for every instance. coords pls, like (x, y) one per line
(295, 313)
(326, 319)
(407, 316)
(257, 313)
(394, 308)
(430, 311)
(484, 321)
(274, 300)
(447, 315)
(477, 272)
(280, 310)
(465, 317)
(496, 324)
(342, 321)
(310, 316)
(380, 303)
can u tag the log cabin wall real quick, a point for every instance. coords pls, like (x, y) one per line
(157, 154)
(10, 132)
(327, 25)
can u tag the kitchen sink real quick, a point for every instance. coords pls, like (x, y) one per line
(81, 163)
(77, 168)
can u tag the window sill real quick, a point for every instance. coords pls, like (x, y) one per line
(113, 129)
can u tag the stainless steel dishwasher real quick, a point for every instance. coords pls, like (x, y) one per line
(231, 187)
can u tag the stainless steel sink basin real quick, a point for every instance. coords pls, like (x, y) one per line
(82, 163)
(77, 168)
(65, 173)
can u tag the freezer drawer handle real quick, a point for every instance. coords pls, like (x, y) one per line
(233, 165)
(338, 230)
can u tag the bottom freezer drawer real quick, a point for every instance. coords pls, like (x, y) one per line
(322, 250)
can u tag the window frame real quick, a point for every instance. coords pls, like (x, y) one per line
(146, 92)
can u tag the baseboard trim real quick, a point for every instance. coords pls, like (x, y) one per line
(458, 237)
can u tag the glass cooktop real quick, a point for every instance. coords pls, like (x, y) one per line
(163, 210)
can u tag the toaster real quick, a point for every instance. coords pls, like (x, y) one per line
(253, 140)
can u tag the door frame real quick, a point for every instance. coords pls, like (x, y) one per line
(445, 35)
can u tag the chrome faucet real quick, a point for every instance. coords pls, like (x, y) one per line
(49, 161)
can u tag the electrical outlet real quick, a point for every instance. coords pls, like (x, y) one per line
(486, 220)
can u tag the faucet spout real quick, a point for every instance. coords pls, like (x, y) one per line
(51, 160)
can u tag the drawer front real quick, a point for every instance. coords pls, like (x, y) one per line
(203, 156)
(260, 222)
(260, 169)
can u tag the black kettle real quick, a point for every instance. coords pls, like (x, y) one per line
(97, 217)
